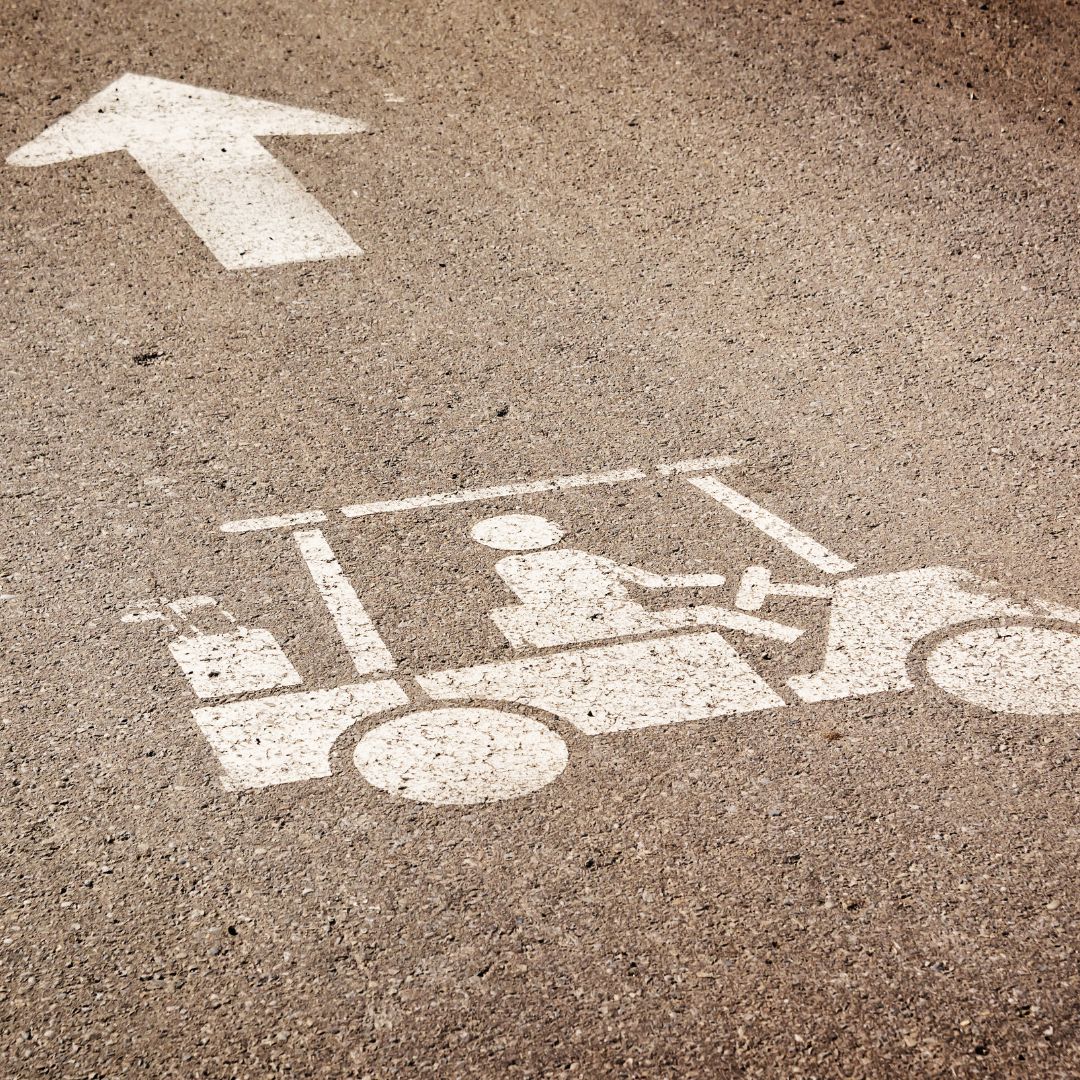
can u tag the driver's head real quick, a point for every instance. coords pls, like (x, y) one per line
(516, 532)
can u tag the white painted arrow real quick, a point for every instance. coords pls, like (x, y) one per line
(201, 149)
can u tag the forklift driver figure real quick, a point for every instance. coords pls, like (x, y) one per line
(569, 596)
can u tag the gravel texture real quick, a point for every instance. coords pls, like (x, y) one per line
(837, 241)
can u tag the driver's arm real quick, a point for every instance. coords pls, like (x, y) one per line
(649, 580)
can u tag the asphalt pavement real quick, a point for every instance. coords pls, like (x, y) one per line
(539, 539)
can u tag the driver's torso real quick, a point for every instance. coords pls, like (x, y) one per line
(564, 578)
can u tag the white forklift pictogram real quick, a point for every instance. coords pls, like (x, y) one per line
(593, 656)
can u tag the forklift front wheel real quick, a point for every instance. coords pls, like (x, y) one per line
(1032, 670)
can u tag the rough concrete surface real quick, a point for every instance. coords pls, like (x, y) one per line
(836, 241)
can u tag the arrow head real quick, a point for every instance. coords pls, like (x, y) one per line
(139, 110)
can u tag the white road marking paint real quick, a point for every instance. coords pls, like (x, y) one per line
(570, 596)
(619, 687)
(362, 641)
(200, 147)
(281, 739)
(1013, 669)
(215, 663)
(797, 542)
(459, 757)
(282, 521)
(187, 604)
(757, 586)
(612, 663)
(500, 491)
(1057, 611)
(145, 615)
(525, 627)
(239, 662)
(875, 621)
(516, 532)
(141, 616)
(467, 495)
(696, 465)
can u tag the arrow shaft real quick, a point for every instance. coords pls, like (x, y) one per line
(243, 204)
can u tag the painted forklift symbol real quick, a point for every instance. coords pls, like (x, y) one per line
(593, 656)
